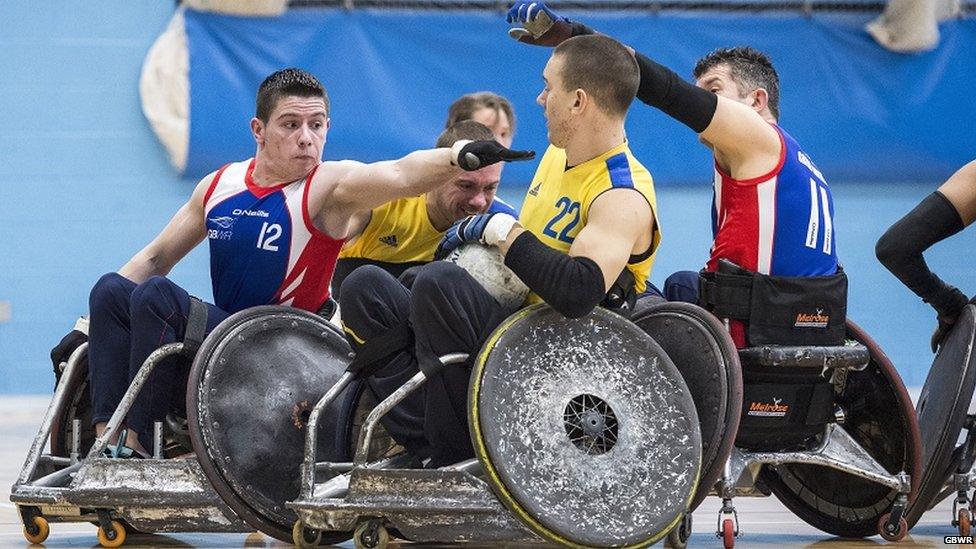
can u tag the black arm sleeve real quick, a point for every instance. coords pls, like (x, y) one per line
(900, 251)
(572, 285)
(662, 88)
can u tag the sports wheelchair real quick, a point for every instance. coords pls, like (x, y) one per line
(584, 434)
(229, 466)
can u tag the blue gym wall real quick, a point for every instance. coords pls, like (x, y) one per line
(84, 183)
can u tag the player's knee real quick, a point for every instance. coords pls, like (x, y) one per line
(152, 295)
(682, 286)
(434, 281)
(110, 289)
(360, 289)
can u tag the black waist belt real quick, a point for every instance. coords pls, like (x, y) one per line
(779, 310)
(726, 295)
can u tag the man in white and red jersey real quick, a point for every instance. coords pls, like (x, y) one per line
(275, 223)
(772, 209)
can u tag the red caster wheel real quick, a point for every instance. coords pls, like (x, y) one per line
(728, 533)
(889, 534)
(963, 520)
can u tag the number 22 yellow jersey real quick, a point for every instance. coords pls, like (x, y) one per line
(557, 206)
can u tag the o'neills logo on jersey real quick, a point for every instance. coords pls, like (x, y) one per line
(766, 409)
(251, 213)
(812, 320)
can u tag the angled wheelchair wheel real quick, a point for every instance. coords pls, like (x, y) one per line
(881, 418)
(252, 387)
(702, 350)
(942, 408)
(585, 429)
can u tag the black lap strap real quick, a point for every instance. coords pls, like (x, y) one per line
(196, 327)
(726, 294)
(374, 353)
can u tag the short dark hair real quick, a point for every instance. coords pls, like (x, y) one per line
(750, 68)
(465, 129)
(285, 82)
(463, 107)
(603, 68)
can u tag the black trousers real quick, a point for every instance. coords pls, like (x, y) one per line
(449, 313)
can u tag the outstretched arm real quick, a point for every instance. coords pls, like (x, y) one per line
(183, 232)
(939, 216)
(740, 137)
(361, 187)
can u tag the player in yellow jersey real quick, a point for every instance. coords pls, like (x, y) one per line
(588, 225)
(405, 233)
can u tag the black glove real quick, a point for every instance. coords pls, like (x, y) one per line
(947, 319)
(947, 305)
(474, 155)
(67, 345)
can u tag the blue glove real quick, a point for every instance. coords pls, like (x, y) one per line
(527, 11)
(540, 25)
(469, 229)
(487, 228)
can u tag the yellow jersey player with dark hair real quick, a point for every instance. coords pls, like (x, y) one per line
(405, 233)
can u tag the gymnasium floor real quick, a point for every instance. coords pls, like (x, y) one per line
(766, 523)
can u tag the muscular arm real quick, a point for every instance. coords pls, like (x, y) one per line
(743, 142)
(745, 145)
(183, 232)
(617, 226)
(960, 189)
(937, 217)
(361, 187)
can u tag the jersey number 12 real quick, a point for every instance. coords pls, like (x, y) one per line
(268, 234)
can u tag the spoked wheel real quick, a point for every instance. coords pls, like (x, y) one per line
(892, 532)
(38, 530)
(964, 522)
(371, 534)
(728, 533)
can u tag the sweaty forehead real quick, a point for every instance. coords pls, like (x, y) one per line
(299, 106)
(484, 177)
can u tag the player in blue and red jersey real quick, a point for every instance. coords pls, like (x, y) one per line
(772, 209)
(275, 224)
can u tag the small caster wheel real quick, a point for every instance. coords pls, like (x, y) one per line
(371, 535)
(38, 530)
(728, 533)
(303, 537)
(679, 535)
(891, 532)
(114, 537)
(964, 521)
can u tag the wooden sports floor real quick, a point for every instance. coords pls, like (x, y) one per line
(765, 522)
